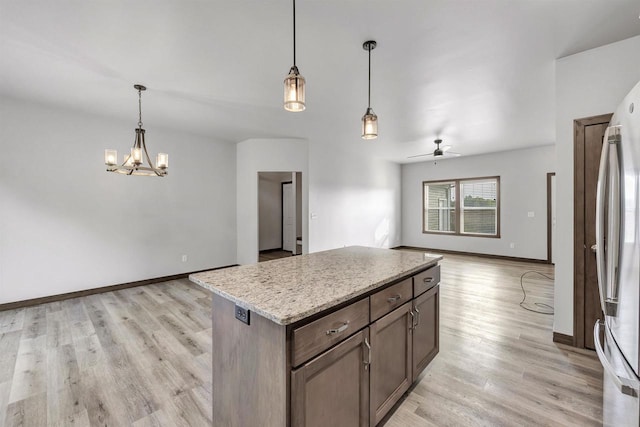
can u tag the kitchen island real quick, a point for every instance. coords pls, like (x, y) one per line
(330, 338)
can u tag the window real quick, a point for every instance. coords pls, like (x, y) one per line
(476, 212)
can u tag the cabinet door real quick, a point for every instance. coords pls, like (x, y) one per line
(333, 388)
(390, 360)
(426, 331)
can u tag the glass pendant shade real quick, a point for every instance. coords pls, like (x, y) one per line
(294, 91)
(369, 125)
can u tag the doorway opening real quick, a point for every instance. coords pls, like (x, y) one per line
(588, 137)
(279, 215)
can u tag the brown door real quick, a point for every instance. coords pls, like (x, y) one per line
(589, 135)
(333, 388)
(390, 360)
(426, 330)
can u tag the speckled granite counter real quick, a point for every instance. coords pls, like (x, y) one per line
(290, 289)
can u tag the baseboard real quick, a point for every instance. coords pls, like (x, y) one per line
(85, 292)
(562, 338)
(446, 251)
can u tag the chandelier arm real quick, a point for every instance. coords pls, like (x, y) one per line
(140, 108)
(144, 147)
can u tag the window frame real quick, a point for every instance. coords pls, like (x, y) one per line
(458, 206)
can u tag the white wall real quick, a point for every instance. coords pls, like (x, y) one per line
(523, 188)
(587, 84)
(67, 225)
(354, 200)
(264, 155)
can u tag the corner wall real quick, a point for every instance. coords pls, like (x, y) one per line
(523, 189)
(587, 84)
(68, 225)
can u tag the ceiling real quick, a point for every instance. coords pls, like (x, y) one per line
(477, 73)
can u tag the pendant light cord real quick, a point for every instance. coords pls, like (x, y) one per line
(369, 101)
(294, 33)
(140, 108)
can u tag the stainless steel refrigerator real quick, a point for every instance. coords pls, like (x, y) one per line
(618, 263)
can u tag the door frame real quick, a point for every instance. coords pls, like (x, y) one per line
(549, 219)
(282, 212)
(579, 248)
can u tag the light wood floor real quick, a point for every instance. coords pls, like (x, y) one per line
(142, 357)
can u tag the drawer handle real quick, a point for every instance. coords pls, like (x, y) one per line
(428, 279)
(394, 298)
(339, 330)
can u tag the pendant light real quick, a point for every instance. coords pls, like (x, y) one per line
(369, 120)
(294, 82)
(133, 163)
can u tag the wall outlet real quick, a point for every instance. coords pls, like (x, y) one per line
(184, 258)
(314, 216)
(531, 214)
(512, 245)
(242, 314)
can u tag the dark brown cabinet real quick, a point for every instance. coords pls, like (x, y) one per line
(391, 355)
(346, 367)
(425, 329)
(333, 388)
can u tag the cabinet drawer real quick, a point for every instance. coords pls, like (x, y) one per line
(312, 339)
(426, 280)
(386, 300)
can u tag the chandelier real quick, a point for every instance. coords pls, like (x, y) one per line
(133, 163)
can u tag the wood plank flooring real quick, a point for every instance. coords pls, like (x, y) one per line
(142, 357)
(139, 357)
(498, 365)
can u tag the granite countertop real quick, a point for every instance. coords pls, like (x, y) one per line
(290, 289)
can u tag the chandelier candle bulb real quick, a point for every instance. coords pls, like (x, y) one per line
(136, 155)
(110, 157)
(162, 160)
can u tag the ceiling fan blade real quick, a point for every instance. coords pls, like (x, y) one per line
(452, 154)
(421, 155)
(445, 148)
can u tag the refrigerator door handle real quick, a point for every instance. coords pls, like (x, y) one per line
(600, 226)
(615, 209)
(625, 385)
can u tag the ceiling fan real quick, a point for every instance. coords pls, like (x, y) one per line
(439, 151)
